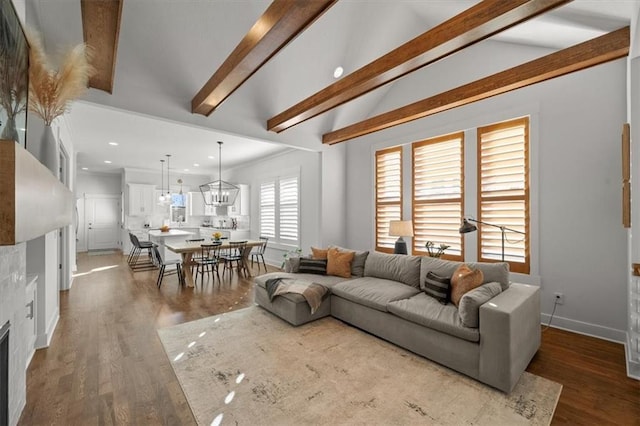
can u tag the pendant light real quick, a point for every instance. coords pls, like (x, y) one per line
(168, 196)
(161, 197)
(219, 193)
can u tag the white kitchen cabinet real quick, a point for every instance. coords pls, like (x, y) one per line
(241, 206)
(141, 199)
(239, 235)
(195, 204)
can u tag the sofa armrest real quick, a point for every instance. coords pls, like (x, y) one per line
(509, 335)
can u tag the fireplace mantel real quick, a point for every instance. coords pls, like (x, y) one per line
(32, 201)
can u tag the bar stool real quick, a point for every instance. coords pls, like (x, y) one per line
(134, 255)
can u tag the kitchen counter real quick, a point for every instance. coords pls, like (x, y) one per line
(170, 233)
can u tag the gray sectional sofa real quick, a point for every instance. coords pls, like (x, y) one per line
(389, 301)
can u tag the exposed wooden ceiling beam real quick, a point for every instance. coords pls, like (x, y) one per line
(487, 18)
(101, 29)
(283, 21)
(603, 49)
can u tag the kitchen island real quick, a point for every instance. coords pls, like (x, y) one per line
(171, 236)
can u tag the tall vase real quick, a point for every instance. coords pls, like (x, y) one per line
(50, 151)
(10, 132)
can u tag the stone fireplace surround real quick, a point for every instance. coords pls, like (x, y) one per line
(12, 309)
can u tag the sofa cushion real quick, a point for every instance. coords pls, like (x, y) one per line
(339, 262)
(375, 293)
(492, 272)
(469, 307)
(425, 310)
(359, 258)
(318, 253)
(292, 264)
(394, 267)
(464, 279)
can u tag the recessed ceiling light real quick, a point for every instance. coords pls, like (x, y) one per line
(113, 143)
(85, 168)
(196, 165)
(107, 162)
(211, 157)
(338, 72)
(186, 170)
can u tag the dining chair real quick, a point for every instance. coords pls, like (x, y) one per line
(207, 261)
(234, 254)
(163, 265)
(196, 255)
(259, 253)
(134, 256)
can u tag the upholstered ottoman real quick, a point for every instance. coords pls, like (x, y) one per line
(293, 307)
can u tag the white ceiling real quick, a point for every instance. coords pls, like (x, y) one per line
(169, 48)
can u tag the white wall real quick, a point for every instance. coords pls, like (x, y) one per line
(98, 183)
(575, 137)
(309, 165)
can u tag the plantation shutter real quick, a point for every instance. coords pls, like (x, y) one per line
(288, 210)
(503, 188)
(438, 188)
(388, 195)
(268, 209)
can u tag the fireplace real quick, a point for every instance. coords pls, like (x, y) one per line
(4, 374)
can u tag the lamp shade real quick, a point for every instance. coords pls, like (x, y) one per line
(467, 227)
(401, 228)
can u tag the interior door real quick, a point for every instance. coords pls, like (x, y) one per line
(102, 215)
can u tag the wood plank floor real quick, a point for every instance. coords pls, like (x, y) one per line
(106, 365)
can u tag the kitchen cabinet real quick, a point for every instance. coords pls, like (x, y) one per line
(141, 199)
(241, 206)
(195, 204)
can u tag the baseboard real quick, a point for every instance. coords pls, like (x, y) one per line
(585, 328)
(44, 340)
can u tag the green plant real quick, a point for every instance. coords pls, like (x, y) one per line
(433, 251)
(297, 252)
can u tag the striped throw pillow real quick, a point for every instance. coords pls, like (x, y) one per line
(437, 287)
(313, 266)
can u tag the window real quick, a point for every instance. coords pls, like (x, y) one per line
(388, 195)
(279, 210)
(503, 192)
(438, 189)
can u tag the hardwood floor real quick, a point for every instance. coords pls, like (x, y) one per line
(106, 364)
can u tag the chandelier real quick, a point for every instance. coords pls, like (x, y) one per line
(219, 193)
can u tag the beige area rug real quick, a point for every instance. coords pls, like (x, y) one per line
(249, 367)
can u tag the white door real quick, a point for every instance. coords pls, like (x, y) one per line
(102, 214)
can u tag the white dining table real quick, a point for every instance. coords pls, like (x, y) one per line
(187, 249)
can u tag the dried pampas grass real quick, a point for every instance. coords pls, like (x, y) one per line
(51, 90)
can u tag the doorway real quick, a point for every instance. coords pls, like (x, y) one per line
(102, 221)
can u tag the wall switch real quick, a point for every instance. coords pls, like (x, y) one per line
(559, 298)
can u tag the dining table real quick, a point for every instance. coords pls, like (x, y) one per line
(186, 249)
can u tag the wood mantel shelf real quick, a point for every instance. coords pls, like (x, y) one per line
(34, 202)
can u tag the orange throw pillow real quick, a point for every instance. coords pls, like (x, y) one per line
(339, 262)
(318, 253)
(464, 279)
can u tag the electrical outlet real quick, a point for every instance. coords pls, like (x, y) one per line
(559, 298)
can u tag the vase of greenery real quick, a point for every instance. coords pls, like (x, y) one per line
(434, 251)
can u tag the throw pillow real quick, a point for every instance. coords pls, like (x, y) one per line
(292, 264)
(359, 259)
(464, 279)
(339, 262)
(318, 253)
(437, 287)
(469, 309)
(313, 266)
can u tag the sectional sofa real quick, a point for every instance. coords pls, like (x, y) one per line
(494, 344)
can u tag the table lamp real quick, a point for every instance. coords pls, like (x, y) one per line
(400, 228)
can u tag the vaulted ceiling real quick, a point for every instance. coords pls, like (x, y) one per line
(169, 49)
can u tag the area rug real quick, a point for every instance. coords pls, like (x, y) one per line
(249, 367)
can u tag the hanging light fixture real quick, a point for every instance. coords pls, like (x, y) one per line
(219, 193)
(161, 197)
(168, 196)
